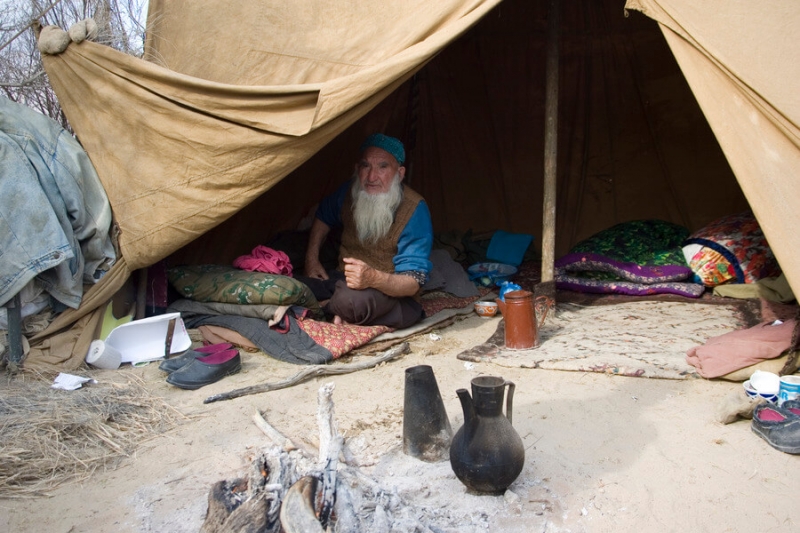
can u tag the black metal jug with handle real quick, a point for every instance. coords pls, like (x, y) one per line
(487, 453)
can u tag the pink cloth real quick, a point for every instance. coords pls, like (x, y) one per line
(263, 259)
(741, 348)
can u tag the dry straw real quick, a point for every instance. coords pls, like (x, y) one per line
(49, 436)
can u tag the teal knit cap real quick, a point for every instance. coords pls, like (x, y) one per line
(384, 142)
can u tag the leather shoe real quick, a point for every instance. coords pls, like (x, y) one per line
(793, 406)
(779, 426)
(203, 371)
(174, 363)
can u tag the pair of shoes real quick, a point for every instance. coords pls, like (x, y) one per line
(206, 370)
(174, 363)
(779, 426)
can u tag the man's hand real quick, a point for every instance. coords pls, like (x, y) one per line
(358, 274)
(314, 269)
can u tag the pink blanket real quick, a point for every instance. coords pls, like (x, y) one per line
(741, 348)
(263, 259)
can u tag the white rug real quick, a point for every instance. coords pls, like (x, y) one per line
(643, 339)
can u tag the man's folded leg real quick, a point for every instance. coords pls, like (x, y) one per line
(371, 307)
(322, 288)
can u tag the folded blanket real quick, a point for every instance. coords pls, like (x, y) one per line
(270, 313)
(628, 278)
(264, 259)
(449, 276)
(741, 348)
(340, 339)
(296, 339)
(290, 343)
(639, 257)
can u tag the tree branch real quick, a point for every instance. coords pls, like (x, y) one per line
(24, 83)
(33, 21)
(314, 371)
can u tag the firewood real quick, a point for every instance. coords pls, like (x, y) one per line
(297, 511)
(273, 434)
(329, 449)
(223, 499)
(310, 372)
(296, 490)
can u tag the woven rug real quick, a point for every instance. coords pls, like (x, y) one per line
(340, 339)
(642, 339)
(438, 301)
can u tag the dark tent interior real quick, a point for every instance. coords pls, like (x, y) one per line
(632, 141)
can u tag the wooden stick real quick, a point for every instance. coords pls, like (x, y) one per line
(314, 371)
(330, 445)
(274, 435)
(326, 421)
(550, 145)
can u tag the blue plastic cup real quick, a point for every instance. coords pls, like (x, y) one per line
(789, 389)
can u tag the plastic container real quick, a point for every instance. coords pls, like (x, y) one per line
(489, 274)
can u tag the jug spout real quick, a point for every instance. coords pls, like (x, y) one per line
(501, 304)
(467, 406)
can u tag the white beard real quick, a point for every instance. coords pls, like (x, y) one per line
(374, 213)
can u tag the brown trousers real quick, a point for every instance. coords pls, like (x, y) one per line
(367, 307)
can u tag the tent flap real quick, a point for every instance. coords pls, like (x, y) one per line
(288, 88)
(180, 152)
(741, 61)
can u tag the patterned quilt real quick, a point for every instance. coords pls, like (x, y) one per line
(731, 249)
(641, 257)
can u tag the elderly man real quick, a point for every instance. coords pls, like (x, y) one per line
(386, 240)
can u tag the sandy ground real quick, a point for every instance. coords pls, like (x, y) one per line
(603, 453)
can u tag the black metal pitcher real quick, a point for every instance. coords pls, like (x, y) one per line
(487, 453)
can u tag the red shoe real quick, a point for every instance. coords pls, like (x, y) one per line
(175, 363)
(779, 426)
(206, 370)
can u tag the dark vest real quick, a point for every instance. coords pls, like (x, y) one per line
(378, 255)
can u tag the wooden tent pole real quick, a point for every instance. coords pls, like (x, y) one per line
(141, 294)
(550, 155)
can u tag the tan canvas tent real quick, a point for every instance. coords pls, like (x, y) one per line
(255, 112)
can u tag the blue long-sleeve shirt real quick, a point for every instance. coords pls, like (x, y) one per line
(416, 239)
